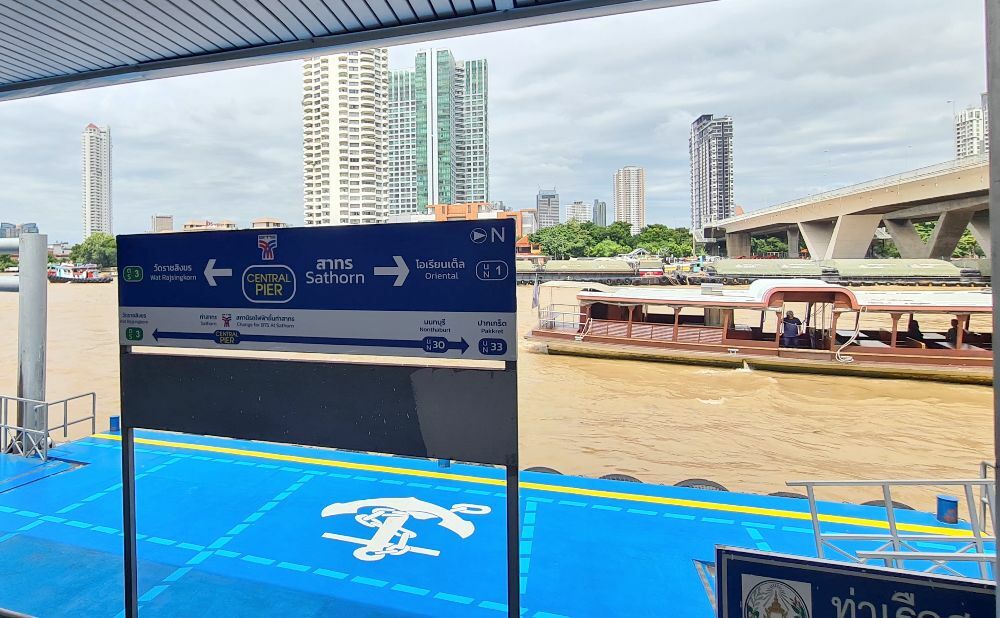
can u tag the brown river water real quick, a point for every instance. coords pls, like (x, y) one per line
(748, 430)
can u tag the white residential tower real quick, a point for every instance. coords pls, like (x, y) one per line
(711, 148)
(97, 215)
(345, 138)
(630, 197)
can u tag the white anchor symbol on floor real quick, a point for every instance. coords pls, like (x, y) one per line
(388, 515)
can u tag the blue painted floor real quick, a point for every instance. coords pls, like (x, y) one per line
(231, 528)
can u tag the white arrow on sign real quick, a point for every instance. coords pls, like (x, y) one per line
(211, 272)
(400, 270)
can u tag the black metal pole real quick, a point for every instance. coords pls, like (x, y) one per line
(128, 523)
(513, 544)
(514, 521)
(130, 568)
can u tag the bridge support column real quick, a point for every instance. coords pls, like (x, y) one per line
(738, 244)
(852, 235)
(948, 231)
(906, 239)
(980, 227)
(793, 241)
(817, 235)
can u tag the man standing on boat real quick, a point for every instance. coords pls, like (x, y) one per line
(790, 328)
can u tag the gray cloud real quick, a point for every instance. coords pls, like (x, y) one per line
(822, 94)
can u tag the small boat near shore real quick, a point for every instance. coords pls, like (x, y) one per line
(702, 326)
(76, 273)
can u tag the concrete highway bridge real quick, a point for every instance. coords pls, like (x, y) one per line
(842, 223)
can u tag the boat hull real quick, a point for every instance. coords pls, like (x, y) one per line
(791, 364)
(58, 279)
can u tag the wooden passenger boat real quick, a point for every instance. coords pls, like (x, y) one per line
(734, 327)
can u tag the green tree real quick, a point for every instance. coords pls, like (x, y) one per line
(620, 232)
(770, 244)
(97, 249)
(563, 241)
(6, 261)
(606, 248)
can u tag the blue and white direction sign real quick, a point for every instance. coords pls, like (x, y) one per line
(434, 290)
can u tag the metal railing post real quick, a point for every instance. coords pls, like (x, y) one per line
(890, 514)
(970, 500)
(814, 513)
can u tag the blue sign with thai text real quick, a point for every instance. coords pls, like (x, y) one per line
(755, 584)
(433, 289)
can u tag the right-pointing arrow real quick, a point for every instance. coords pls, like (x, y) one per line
(400, 271)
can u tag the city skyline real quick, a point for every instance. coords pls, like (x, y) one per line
(811, 117)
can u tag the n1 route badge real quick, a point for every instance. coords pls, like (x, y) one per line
(435, 290)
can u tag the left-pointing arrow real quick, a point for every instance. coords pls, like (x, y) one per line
(211, 272)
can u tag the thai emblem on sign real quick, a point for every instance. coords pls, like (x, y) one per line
(389, 516)
(775, 598)
(267, 243)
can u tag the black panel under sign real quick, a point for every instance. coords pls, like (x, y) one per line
(450, 413)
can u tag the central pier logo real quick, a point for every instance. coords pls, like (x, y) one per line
(268, 283)
(388, 517)
(267, 243)
(776, 598)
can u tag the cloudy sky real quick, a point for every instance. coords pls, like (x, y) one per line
(822, 94)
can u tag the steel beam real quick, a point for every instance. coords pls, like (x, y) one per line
(8, 246)
(509, 17)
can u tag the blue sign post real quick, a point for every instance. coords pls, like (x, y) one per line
(441, 290)
(755, 584)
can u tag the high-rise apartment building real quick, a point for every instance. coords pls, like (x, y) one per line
(547, 208)
(161, 223)
(630, 197)
(600, 213)
(7, 230)
(972, 128)
(97, 215)
(439, 150)
(578, 211)
(345, 129)
(711, 148)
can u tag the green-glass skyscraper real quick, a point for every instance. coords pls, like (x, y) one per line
(438, 133)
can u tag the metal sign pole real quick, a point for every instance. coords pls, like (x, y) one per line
(513, 542)
(993, 111)
(131, 567)
(513, 522)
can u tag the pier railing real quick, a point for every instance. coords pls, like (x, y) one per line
(561, 317)
(894, 547)
(29, 442)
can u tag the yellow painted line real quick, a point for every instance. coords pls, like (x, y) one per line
(592, 493)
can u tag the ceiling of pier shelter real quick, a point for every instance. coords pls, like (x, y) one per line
(51, 46)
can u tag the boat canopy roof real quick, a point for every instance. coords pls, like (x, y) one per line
(773, 293)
